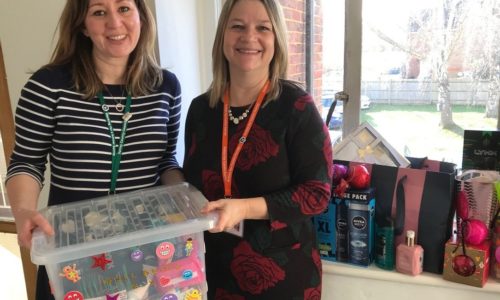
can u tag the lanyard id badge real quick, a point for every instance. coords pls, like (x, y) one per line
(116, 150)
(227, 171)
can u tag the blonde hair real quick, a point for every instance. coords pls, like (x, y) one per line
(143, 73)
(279, 63)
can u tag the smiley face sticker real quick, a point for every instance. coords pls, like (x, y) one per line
(137, 255)
(165, 251)
(73, 295)
(169, 297)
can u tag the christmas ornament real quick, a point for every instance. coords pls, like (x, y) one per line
(463, 265)
(341, 187)
(474, 231)
(358, 177)
(339, 172)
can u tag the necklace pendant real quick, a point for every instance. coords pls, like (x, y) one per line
(127, 117)
(236, 121)
(119, 107)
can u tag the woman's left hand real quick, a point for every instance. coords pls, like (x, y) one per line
(231, 212)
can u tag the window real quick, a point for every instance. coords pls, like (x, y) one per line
(420, 74)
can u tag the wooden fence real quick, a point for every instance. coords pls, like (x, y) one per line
(410, 91)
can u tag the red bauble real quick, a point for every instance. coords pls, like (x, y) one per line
(475, 232)
(463, 265)
(341, 188)
(358, 177)
(339, 172)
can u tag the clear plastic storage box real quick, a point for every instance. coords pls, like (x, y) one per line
(144, 245)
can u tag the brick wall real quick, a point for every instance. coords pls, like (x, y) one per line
(318, 51)
(295, 15)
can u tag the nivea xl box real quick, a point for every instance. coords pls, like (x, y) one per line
(360, 226)
(325, 230)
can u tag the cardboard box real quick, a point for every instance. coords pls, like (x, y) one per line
(360, 226)
(474, 273)
(481, 150)
(495, 250)
(346, 228)
(141, 245)
(325, 229)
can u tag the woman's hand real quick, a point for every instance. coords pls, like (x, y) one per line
(23, 191)
(231, 212)
(26, 222)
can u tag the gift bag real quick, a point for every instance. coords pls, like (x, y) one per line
(418, 198)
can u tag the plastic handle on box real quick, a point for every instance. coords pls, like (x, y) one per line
(214, 218)
(39, 241)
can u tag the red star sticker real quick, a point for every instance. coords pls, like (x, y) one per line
(100, 261)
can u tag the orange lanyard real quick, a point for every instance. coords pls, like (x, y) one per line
(227, 173)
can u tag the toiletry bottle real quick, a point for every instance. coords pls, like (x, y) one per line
(409, 256)
(384, 244)
(341, 225)
(360, 232)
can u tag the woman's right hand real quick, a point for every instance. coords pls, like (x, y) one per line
(23, 191)
(26, 221)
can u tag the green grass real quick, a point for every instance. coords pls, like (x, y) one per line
(414, 129)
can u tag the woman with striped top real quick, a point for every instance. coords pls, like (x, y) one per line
(102, 90)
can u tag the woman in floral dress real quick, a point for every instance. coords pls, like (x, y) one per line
(257, 148)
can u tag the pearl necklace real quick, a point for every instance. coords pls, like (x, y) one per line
(237, 120)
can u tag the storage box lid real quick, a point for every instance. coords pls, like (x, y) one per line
(120, 221)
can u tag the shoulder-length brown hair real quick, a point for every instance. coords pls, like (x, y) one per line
(143, 73)
(279, 63)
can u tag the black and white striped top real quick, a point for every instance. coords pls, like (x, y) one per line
(52, 120)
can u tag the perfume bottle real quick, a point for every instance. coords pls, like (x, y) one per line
(409, 256)
(384, 244)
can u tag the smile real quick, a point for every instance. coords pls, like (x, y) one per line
(248, 51)
(117, 37)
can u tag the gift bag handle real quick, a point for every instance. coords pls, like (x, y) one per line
(479, 176)
(399, 223)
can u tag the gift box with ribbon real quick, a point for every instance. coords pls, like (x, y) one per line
(467, 264)
(495, 257)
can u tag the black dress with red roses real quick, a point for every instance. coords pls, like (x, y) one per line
(287, 159)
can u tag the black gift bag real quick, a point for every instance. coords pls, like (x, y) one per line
(418, 198)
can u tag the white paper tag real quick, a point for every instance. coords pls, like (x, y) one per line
(237, 230)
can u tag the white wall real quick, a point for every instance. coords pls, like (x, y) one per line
(185, 35)
(26, 32)
(27, 29)
(186, 30)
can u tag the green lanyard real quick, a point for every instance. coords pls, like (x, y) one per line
(116, 155)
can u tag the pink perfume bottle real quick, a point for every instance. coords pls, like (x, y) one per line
(409, 257)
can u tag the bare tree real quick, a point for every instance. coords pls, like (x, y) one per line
(483, 50)
(440, 33)
(448, 24)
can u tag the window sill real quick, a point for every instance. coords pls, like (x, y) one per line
(344, 281)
